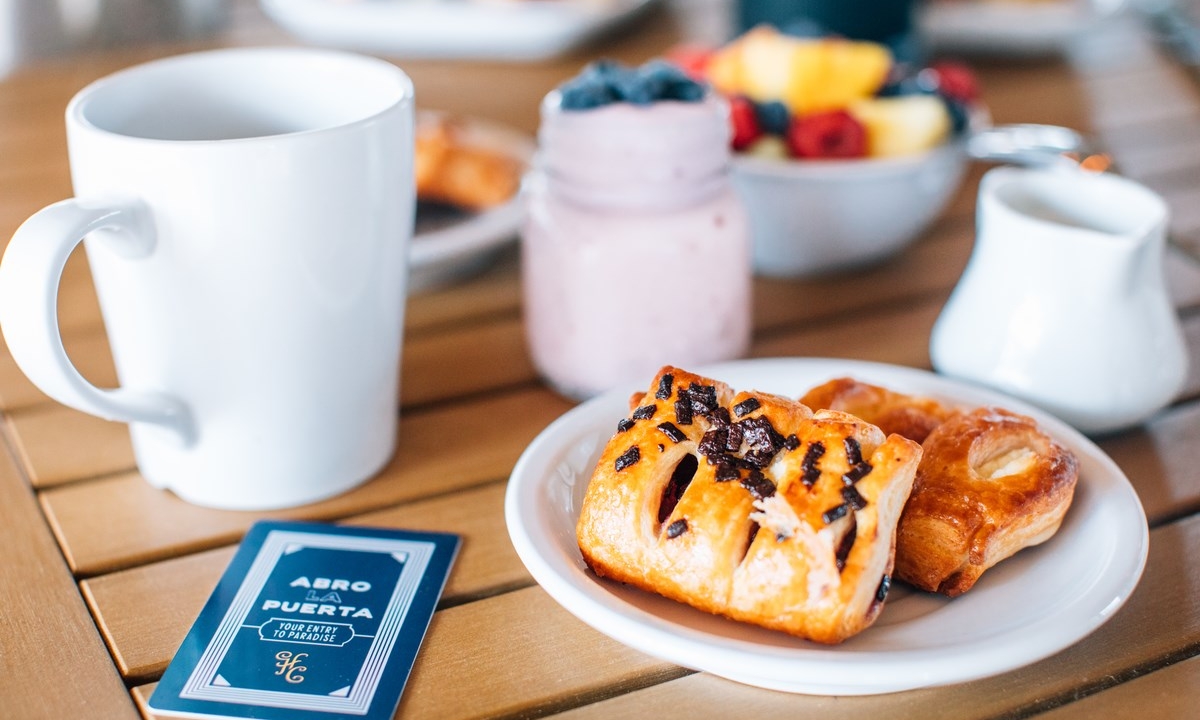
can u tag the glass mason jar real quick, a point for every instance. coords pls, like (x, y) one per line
(635, 247)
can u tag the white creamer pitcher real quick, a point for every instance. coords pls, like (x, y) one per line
(1064, 302)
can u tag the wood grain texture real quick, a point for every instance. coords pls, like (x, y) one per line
(1160, 619)
(440, 450)
(88, 350)
(518, 654)
(59, 445)
(1172, 692)
(52, 662)
(145, 612)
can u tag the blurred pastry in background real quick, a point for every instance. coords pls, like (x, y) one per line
(452, 169)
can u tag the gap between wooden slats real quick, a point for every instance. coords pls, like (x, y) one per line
(1158, 461)
(441, 450)
(521, 655)
(1172, 692)
(156, 524)
(46, 627)
(143, 636)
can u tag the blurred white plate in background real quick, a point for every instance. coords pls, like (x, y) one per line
(448, 243)
(477, 29)
(1009, 27)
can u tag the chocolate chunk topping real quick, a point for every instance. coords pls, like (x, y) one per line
(853, 451)
(791, 442)
(748, 405)
(644, 412)
(677, 528)
(835, 513)
(734, 442)
(624, 425)
(753, 534)
(761, 434)
(702, 397)
(661, 447)
(852, 498)
(664, 386)
(675, 434)
(758, 459)
(683, 411)
(713, 443)
(627, 458)
(759, 485)
(809, 465)
(885, 584)
(844, 547)
(719, 417)
(856, 473)
(726, 471)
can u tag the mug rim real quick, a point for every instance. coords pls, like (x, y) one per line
(77, 109)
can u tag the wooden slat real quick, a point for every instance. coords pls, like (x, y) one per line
(58, 445)
(1160, 619)
(494, 293)
(145, 612)
(1172, 692)
(88, 350)
(440, 450)
(427, 377)
(46, 629)
(503, 656)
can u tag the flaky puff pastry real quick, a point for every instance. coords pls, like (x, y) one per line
(749, 505)
(908, 415)
(990, 483)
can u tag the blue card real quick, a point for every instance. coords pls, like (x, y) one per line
(310, 621)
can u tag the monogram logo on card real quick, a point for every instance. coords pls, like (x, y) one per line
(290, 667)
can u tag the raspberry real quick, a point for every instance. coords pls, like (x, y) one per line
(955, 81)
(835, 134)
(744, 122)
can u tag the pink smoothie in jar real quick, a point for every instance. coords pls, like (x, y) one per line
(635, 248)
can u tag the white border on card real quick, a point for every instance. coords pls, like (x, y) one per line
(415, 555)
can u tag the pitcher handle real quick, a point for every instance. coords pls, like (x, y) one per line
(30, 274)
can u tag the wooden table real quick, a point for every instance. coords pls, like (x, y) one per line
(101, 575)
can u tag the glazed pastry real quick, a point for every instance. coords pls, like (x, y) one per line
(449, 169)
(907, 415)
(749, 505)
(989, 484)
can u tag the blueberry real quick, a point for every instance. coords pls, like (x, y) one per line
(960, 118)
(586, 92)
(685, 90)
(773, 117)
(928, 80)
(673, 83)
(637, 87)
(907, 85)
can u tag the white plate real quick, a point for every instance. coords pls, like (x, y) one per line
(483, 29)
(1009, 27)
(1024, 609)
(451, 246)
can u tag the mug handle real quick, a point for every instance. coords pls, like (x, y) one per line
(30, 274)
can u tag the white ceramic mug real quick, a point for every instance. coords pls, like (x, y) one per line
(247, 215)
(1064, 301)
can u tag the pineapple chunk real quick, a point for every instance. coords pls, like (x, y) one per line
(806, 74)
(902, 125)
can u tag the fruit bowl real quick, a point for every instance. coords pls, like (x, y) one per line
(815, 216)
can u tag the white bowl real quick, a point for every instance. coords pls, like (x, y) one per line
(815, 216)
